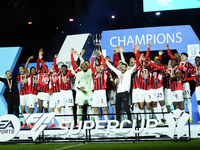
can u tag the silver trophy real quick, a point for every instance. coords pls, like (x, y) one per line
(97, 41)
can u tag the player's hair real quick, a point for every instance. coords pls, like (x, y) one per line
(184, 54)
(21, 66)
(7, 71)
(97, 65)
(124, 64)
(41, 67)
(131, 57)
(87, 61)
(32, 68)
(107, 57)
(158, 60)
(197, 57)
(174, 59)
(64, 66)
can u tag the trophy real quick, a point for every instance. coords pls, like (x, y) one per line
(96, 41)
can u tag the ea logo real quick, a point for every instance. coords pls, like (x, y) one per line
(9, 127)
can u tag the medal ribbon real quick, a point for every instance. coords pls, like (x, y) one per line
(9, 84)
(54, 79)
(197, 70)
(34, 79)
(22, 80)
(64, 78)
(85, 76)
(145, 73)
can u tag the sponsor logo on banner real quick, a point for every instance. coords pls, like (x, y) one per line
(193, 51)
(9, 127)
(41, 120)
(176, 118)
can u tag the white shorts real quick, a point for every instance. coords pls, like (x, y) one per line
(55, 100)
(144, 95)
(197, 92)
(85, 98)
(157, 94)
(66, 98)
(32, 100)
(177, 96)
(168, 97)
(135, 98)
(23, 99)
(186, 88)
(43, 96)
(112, 96)
(99, 98)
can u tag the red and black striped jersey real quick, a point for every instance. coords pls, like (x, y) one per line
(43, 82)
(144, 79)
(134, 78)
(54, 82)
(23, 79)
(175, 84)
(65, 80)
(186, 69)
(100, 81)
(33, 84)
(157, 79)
(196, 75)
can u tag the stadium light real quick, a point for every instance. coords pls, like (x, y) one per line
(158, 13)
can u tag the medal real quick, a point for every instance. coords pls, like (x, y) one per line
(66, 85)
(155, 80)
(9, 90)
(86, 82)
(54, 84)
(43, 83)
(33, 85)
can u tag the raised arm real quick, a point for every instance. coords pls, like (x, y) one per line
(103, 62)
(27, 63)
(79, 56)
(148, 49)
(43, 65)
(55, 64)
(169, 52)
(121, 50)
(160, 53)
(117, 72)
(92, 64)
(72, 60)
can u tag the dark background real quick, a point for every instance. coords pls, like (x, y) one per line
(51, 24)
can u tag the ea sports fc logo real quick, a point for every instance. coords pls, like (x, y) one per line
(9, 127)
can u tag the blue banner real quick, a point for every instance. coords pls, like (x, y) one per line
(163, 5)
